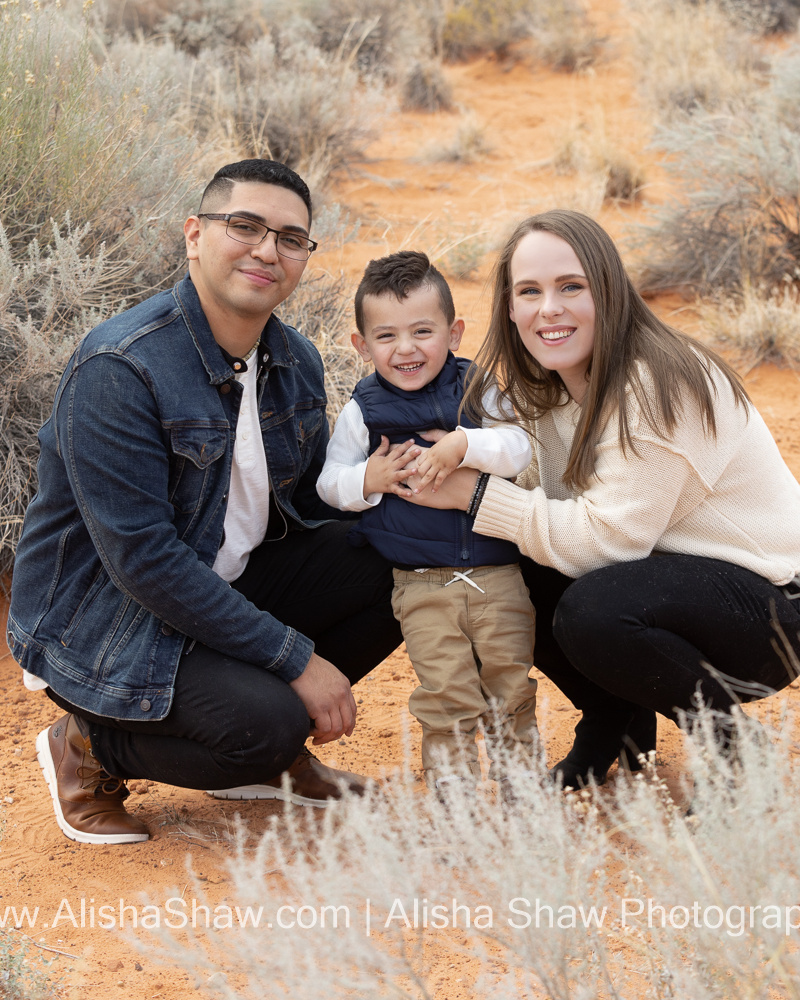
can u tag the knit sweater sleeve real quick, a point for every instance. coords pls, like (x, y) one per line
(621, 516)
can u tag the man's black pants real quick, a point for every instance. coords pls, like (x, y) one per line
(234, 723)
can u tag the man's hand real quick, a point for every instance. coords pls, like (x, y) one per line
(388, 467)
(326, 694)
(436, 463)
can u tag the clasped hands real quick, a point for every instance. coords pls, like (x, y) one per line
(408, 470)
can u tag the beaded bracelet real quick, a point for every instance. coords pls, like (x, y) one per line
(477, 494)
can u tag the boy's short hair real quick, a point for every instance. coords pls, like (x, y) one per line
(402, 273)
(260, 171)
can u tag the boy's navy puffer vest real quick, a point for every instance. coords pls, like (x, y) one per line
(405, 534)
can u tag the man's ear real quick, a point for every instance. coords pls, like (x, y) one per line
(456, 333)
(191, 232)
(360, 345)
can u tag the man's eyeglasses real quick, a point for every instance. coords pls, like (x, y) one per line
(245, 230)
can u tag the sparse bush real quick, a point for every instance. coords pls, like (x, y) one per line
(283, 98)
(468, 144)
(691, 56)
(463, 258)
(20, 979)
(588, 149)
(764, 16)
(759, 325)
(737, 220)
(85, 139)
(564, 37)
(321, 308)
(604, 893)
(426, 89)
(96, 150)
(194, 25)
(391, 33)
(470, 27)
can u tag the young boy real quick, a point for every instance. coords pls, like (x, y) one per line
(464, 609)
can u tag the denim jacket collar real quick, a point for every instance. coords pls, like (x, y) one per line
(274, 340)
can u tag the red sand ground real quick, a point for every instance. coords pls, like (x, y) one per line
(403, 201)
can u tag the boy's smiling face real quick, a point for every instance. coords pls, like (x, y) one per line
(407, 339)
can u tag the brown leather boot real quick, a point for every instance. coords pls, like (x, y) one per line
(88, 801)
(311, 783)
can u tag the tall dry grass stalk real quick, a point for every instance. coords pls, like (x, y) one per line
(602, 894)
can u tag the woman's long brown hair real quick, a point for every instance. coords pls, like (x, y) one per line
(628, 336)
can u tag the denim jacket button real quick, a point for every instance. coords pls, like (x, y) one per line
(145, 705)
(225, 388)
(167, 630)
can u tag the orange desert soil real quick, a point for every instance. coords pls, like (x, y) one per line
(403, 200)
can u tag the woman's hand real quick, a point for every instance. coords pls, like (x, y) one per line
(454, 494)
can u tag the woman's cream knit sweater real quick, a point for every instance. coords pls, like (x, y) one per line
(727, 497)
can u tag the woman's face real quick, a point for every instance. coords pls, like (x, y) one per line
(552, 307)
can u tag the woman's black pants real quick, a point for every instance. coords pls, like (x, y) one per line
(662, 634)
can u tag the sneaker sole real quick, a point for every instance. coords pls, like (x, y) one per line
(48, 767)
(253, 792)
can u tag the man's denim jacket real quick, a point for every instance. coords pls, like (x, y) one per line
(113, 572)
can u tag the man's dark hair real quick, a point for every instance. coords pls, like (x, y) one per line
(261, 171)
(402, 273)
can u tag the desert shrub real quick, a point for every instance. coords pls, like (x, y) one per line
(193, 25)
(284, 98)
(612, 893)
(681, 69)
(393, 33)
(425, 88)
(87, 140)
(321, 308)
(563, 35)
(759, 325)
(736, 221)
(93, 189)
(764, 16)
(20, 979)
(587, 148)
(467, 144)
(462, 259)
(470, 27)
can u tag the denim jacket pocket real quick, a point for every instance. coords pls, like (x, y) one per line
(194, 449)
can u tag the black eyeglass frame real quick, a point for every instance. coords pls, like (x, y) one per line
(226, 218)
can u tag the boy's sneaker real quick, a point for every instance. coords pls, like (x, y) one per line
(311, 783)
(88, 801)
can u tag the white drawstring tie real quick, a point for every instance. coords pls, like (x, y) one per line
(458, 575)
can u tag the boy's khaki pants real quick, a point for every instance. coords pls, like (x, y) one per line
(472, 650)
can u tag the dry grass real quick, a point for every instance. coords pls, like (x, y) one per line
(564, 37)
(690, 56)
(588, 149)
(467, 144)
(760, 325)
(605, 893)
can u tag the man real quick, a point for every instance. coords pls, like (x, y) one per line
(179, 587)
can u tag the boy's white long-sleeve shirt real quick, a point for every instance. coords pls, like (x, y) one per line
(500, 448)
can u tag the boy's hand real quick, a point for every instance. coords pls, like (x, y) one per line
(388, 467)
(438, 462)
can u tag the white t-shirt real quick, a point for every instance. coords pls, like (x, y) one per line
(248, 495)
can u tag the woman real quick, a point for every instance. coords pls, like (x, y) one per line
(661, 526)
